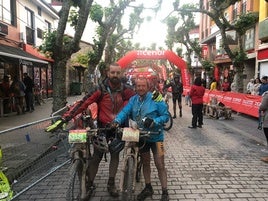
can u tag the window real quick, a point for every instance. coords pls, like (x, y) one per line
(249, 39)
(244, 6)
(39, 33)
(29, 14)
(235, 12)
(48, 26)
(8, 11)
(39, 11)
(30, 27)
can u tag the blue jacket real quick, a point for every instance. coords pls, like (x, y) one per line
(137, 109)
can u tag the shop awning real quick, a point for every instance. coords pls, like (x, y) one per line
(24, 57)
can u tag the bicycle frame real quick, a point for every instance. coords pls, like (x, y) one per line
(127, 182)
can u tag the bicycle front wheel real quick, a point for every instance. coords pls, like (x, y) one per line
(127, 193)
(169, 124)
(75, 181)
(138, 171)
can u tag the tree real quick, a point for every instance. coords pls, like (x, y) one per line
(240, 25)
(112, 38)
(61, 47)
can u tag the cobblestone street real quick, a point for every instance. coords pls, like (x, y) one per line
(220, 161)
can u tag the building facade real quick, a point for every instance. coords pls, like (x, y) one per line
(211, 41)
(22, 25)
(262, 50)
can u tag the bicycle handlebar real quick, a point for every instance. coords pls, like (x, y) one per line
(120, 130)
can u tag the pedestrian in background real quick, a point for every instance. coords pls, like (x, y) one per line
(188, 99)
(197, 92)
(263, 88)
(213, 85)
(264, 115)
(256, 86)
(264, 85)
(150, 115)
(250, 86)
(4, 94)
(177, 90)
(29, 97)
(226, 86)
(17, 88)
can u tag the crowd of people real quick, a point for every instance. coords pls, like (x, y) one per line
(17, 94)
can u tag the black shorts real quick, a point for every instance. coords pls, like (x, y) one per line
(176, 97)
(156, 147)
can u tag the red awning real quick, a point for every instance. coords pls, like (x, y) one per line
(33, 51)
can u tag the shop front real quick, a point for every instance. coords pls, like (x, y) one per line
(14, 61)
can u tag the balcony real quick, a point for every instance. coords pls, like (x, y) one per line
(263, 30)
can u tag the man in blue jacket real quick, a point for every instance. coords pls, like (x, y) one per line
(150, 115)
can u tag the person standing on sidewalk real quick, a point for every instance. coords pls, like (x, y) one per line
(17, 89)
(177, 90)
(197, 92)
(111, 95)
(150, 115)
(29, 98)
(264, 115)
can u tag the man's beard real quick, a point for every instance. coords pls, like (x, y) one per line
(115, 80)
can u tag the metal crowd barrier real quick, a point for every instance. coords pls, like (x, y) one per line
(23, 145)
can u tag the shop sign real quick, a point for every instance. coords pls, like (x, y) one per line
(27, 63)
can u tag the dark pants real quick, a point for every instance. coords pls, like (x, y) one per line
(197, 112)
(29, 101)
(6, 102)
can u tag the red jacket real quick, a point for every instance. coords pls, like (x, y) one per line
(109, 103)
(196, 94)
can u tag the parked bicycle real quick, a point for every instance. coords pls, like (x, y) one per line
(134, 140)
(6, 192)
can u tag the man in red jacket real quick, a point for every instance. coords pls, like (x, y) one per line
(197, 92)
(111, 96)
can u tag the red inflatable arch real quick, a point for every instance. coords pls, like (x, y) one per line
(157, 55)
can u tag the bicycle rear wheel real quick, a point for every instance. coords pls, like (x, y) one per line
(169, 124)
(127, 193)
(75, 181)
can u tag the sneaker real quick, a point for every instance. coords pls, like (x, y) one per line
(200, 126)
(146, 192)
(164, 197)
(174, 117)
(112, 190)
(194, 127)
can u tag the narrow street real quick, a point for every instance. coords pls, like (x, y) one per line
(220, 161)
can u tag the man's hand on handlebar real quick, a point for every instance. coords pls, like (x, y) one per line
(55, 126)
(148, 122)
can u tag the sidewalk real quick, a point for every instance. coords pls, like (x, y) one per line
(23, 139)
(41, 112)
